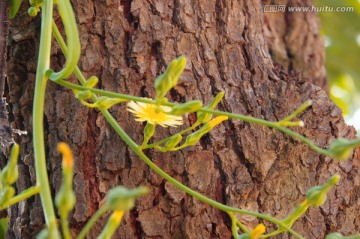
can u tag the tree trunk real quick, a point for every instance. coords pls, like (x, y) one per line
(267, 65)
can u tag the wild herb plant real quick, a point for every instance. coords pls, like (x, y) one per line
(157, 112)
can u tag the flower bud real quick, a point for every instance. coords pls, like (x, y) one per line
(169, 78)
(258, 231)
(149, 130)
(196, 136)
(65, 198)
(33, 11)
(299, 211)
(105, 103)
(203, 117)
(6, 194)
(193, 138)
(317, 195)
(91, 82)
(172, 142)
(187, 107)
(65, 201)
(342, 149)
(82, 94)
(216, 121)
(121, 198)
(10, 172)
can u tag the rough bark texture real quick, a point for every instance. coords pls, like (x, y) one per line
(5, 130)
(267, 65)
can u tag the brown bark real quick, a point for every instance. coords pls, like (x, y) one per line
(267, 65)
(5, 130)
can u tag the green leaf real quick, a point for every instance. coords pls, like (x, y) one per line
(14, 7)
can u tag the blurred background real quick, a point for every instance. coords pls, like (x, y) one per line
(342, 41)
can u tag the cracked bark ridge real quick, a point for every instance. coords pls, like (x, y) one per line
(5, 130)
(230, 46)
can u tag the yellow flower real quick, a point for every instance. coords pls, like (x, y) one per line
(150, 113)
(258, 231)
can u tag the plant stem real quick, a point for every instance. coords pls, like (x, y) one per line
(181, 186)
(92, 221)
(65, 228)
(144, 158)
(234, 228)
(249, 119)
(38, 116)
(23, 195)
(72, 37)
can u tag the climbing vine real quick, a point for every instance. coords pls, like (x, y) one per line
(154, 113)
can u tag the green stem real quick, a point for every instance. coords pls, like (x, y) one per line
(23, 195)
(38, 116)
(234, 228)
(249, 119)
(65, 227)
(102, 210)
(241, 226)
(299, 110)
(72, 36)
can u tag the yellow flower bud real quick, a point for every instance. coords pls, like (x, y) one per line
(65, 150)
(193, 138)
(217, 121)
(65, 198)
(258, 231)
(91, 82)
(117, 215)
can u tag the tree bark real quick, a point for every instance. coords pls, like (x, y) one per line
(267, 65)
